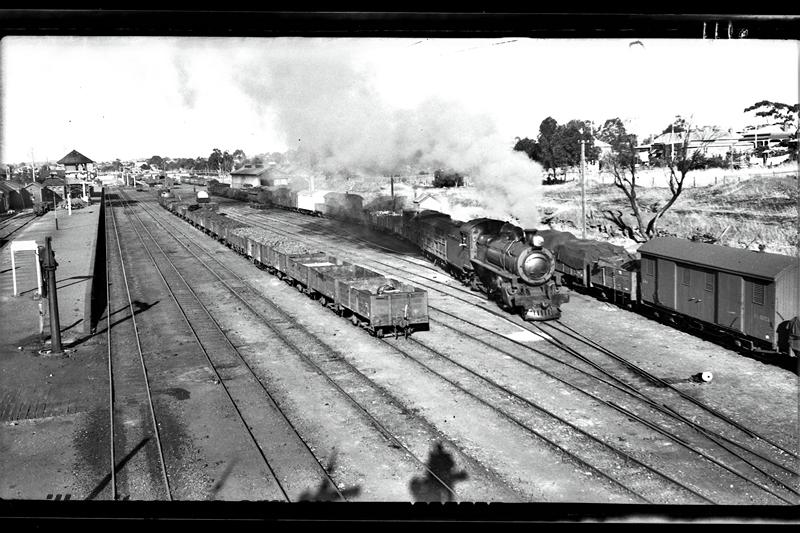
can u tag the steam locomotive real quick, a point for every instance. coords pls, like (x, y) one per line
(500, 259)
(492, 256)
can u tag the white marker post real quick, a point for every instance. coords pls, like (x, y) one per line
(25, 246)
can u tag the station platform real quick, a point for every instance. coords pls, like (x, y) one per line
(32, 384)
(74, 245)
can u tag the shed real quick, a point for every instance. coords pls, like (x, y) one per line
(257, 177)
(37, 192)
(17, 196)
(427, 202)
(741, 290)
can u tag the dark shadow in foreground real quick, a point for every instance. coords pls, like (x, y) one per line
(437, 484)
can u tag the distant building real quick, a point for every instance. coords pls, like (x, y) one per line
(765, 136)
(77, 167)
(38, 192)
(258, 176)
(17, 196)
(427, 201)
(708, 141)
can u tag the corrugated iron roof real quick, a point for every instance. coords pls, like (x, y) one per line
(736, 260)
(9, 185)
(53, 182)
(74, 158)
(249, 171)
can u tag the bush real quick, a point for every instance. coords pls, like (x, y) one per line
(447, 179)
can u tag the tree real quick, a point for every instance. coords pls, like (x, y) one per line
(43, 174)
(227, 161)
(569, 146)
(239, 157)
(215, 160)
(559, 145)
(621, 162)
(156, 161)
(784, 115)
(680, 125)
(549, 147)
(529, 146)
(443, 178)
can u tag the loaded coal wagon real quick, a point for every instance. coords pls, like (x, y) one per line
(379, 304)
(593, 264)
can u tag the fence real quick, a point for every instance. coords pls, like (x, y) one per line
(659, 177)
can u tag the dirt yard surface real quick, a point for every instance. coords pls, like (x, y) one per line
(674, 362)
(493, 408)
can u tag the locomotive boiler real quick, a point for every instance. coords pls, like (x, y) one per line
(513, 267)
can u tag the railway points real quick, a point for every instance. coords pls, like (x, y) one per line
(248, 351)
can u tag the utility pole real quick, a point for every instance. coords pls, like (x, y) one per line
(583, 191)
(55, 209)
(391, 186)
(50, 264)
(672, 144)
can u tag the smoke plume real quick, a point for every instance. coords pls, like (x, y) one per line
(330, 111)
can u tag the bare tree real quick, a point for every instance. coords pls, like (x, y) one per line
(622, 161)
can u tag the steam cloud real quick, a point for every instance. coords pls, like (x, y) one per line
(330, 111)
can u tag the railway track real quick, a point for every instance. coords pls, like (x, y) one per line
(291, 467)
(12, 225)
(569, 456)
(333, 367)
(743, 456)
(137, 466)
(632, 477)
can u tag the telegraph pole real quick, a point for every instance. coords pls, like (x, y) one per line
(583, 191)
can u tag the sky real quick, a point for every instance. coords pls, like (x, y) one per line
(133, 97)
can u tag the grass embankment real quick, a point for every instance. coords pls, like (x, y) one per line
(743, 214)
(746, 214)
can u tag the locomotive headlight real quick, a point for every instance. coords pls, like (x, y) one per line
(536, 265)
(537, 241)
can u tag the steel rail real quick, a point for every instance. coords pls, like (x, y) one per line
(597, 346)
(384, 431)
(200, 343)
(110, 369)
(141, 359)
(637, 370)
(719, 463)
(628, 412)
(249, 368)
(553, 415)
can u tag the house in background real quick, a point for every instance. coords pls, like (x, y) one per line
(258, 176)
(429, 202)
(765, 136)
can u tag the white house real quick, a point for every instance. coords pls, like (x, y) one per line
(249, 176)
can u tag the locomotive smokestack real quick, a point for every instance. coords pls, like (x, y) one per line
(532, 238)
